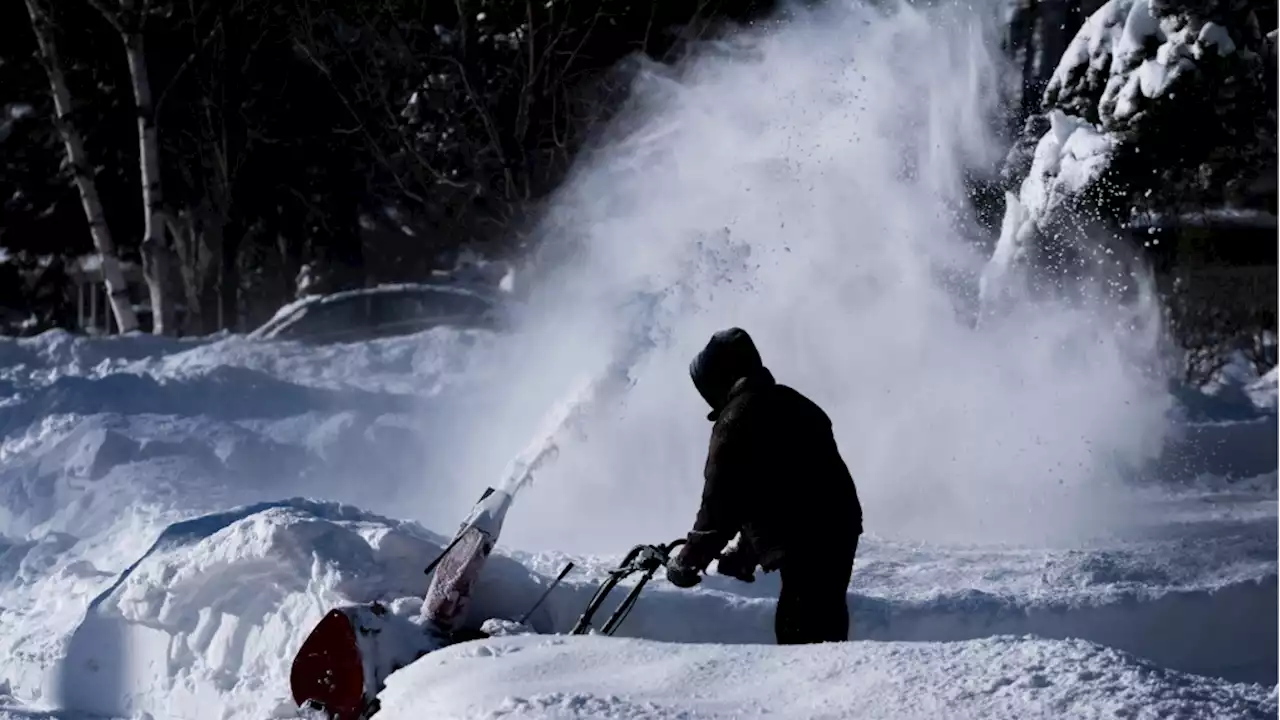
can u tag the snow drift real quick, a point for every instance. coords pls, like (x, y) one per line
(1003, 678)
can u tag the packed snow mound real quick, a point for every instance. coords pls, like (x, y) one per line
(1262, 391)
(57, 352)
(1003, 678)
(212, 613)
(210, 617)
(1218, 591)
(1229, 427)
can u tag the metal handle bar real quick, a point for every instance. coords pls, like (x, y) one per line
(641, 558)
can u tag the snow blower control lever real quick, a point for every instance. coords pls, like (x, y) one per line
(646, 559)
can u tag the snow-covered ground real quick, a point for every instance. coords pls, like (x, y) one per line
(154, 562)
(1003, 678)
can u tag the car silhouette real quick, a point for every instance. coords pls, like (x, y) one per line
(381, 311)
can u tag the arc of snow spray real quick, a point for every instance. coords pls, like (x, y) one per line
(711, 263)
(346, 659)
(459, 565)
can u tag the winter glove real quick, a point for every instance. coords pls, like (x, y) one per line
(737, 565)
(681, 575)
(738, 561)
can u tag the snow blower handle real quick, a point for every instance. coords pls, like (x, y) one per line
(651, 557)
(646, 559)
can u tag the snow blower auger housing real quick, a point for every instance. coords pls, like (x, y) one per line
(645, 559)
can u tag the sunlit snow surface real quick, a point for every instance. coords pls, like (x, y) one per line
(152, 561)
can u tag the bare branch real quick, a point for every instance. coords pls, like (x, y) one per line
(173, 80)
(112, 16)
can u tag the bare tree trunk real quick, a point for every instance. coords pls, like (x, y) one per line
(229, 278)
(113, 277)
(196, 235)
(182, 228)
(208, 240)
(155, 251)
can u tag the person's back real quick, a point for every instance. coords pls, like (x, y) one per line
(796, 490)
(804, 464)
(774, 473)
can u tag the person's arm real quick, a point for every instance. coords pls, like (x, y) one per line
(725, 482)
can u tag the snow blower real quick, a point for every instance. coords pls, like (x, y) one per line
(347, 657)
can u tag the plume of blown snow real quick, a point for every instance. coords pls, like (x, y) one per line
(800, 179)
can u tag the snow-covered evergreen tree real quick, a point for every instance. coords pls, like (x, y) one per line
(1157, 106)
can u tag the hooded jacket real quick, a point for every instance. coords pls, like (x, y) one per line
(773, 470)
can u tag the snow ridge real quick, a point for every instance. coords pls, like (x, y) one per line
(999, 678)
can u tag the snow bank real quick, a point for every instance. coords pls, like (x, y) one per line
(1003, 678)
(87, 422)
(1229, 427)
(421, 364)
(1262, 391)
(206, 622)
(210, 616)
(1216, 584)
(59, 352)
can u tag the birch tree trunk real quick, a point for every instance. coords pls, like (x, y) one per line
(113, 276)
(129, 18)
(155, 251)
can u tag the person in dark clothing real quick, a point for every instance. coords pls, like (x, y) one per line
(775, 479)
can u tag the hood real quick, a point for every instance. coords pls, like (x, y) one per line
(728, 357)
